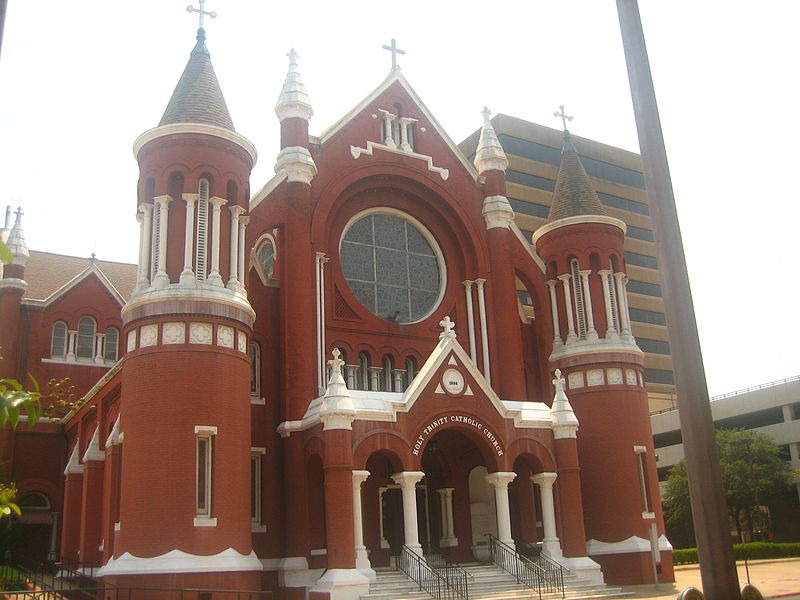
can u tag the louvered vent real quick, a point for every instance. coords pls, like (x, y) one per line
(580, 311)
(202, 231)
(612, 292)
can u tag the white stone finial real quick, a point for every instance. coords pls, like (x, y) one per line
(448, 326)
(8, 217)
(293, 100)
(336, 363)
(489, 155)
(16, 241)
(565, 423)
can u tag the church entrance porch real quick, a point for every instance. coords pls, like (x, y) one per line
(455, 502)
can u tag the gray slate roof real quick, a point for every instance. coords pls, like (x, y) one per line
(197, 97)
(573, 194)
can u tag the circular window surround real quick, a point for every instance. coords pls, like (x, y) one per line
(388, 210)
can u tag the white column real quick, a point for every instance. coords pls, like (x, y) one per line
(362, 560)
(233, 280)
(388, 140)
(71, 336)
(381, 492)
(161, 277)
(407, 481)
(405, 146)
(397, 377)
(591, 332)
(448, 539)
(611, 332)
(622, 303)
(145, 233)
(350, 372)
(321, 259)
(551, 544)
(242, 275)
(500, 481)
(100, 339)
(571, 337)
(487, 372)
(375, 374)
(214, 277)
(470, 320)
(187, 275)
(557, 341)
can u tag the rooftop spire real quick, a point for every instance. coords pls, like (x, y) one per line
(489, 155)
(198, 97)
(395, 51)
(16, 241)
(573, 194)
(293, 100)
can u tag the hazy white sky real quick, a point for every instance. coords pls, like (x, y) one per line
(81, 80)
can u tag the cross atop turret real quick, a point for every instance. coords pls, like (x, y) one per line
(202, 11)
(563, 116)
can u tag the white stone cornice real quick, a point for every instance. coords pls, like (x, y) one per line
(212, 130)
(177, 561)
(297, 164)
(74, 466)
(497, 212)
(578, 219)
(355, 151)
(13, 283)
(565, 423)
(93, 451)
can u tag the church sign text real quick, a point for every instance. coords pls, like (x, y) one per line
(436, 423)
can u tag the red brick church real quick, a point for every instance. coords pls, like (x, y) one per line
(294, 385)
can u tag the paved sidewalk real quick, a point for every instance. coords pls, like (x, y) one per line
(775, 578)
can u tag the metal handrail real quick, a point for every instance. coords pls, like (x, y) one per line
(452, 585)
(438, 560)
(543, 575)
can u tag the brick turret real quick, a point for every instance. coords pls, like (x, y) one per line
(582, 247)
(185, 408)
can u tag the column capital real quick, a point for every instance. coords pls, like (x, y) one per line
(322, 258)
(243, 221)
(236, 209)
(190, 198)
(544, 479)
(163, 201)
(146, 207)
(408, 479)
(480, 281)
(467, 283)
(585, 272)
(603, 272)
(359, 477)
(445, 491)
(217, 201)
(552, 283)
(501, 479)
(565, 277)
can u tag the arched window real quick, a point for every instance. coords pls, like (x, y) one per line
(362, 376)
(58, 344)
(84, 347)
(411, 370)
(111, 343)
(202, 230)
(232, 191)
(266, 258)
(255, 369)
(577, 285)
(34, 502)
(387, 384)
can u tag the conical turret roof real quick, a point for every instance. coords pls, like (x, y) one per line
(574, 194)
(197, 97)
(489, 155)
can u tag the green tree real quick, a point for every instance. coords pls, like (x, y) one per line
(754, 475)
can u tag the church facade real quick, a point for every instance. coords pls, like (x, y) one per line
(294, 385)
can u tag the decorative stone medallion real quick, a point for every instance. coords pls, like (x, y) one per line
(200, 333)
(131, 340)
(614, 376)
(241, 341)
(453, 382)
(630, 376)
(173, 333)
(576, 380)
(148, 335)
(225, 336)
(595, 377)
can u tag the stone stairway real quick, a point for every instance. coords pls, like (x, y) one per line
(486, 582)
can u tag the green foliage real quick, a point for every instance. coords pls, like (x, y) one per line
(5, 253)
(753, 476)
(14, 399)
(7, 494)
(752, 551)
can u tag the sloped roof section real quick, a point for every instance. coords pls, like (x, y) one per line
(574, 194)
(198, 97)
(48, 273)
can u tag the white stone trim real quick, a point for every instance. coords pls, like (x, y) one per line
(205, 521)
(74, 465)
(93, 451)
(632, 545)
(178, 561)
(355, 151)
(205, 430)
(497, 212)
(566, 221)
(296, 163)
(213, 130)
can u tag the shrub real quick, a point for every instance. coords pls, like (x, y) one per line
(754, 550)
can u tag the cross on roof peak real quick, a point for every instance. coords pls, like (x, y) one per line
(563, 116)
(293, 56)
(487, 114)
(395, 51)
(202, 11)
(448, 326)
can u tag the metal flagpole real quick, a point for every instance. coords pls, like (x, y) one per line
(715, 550)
